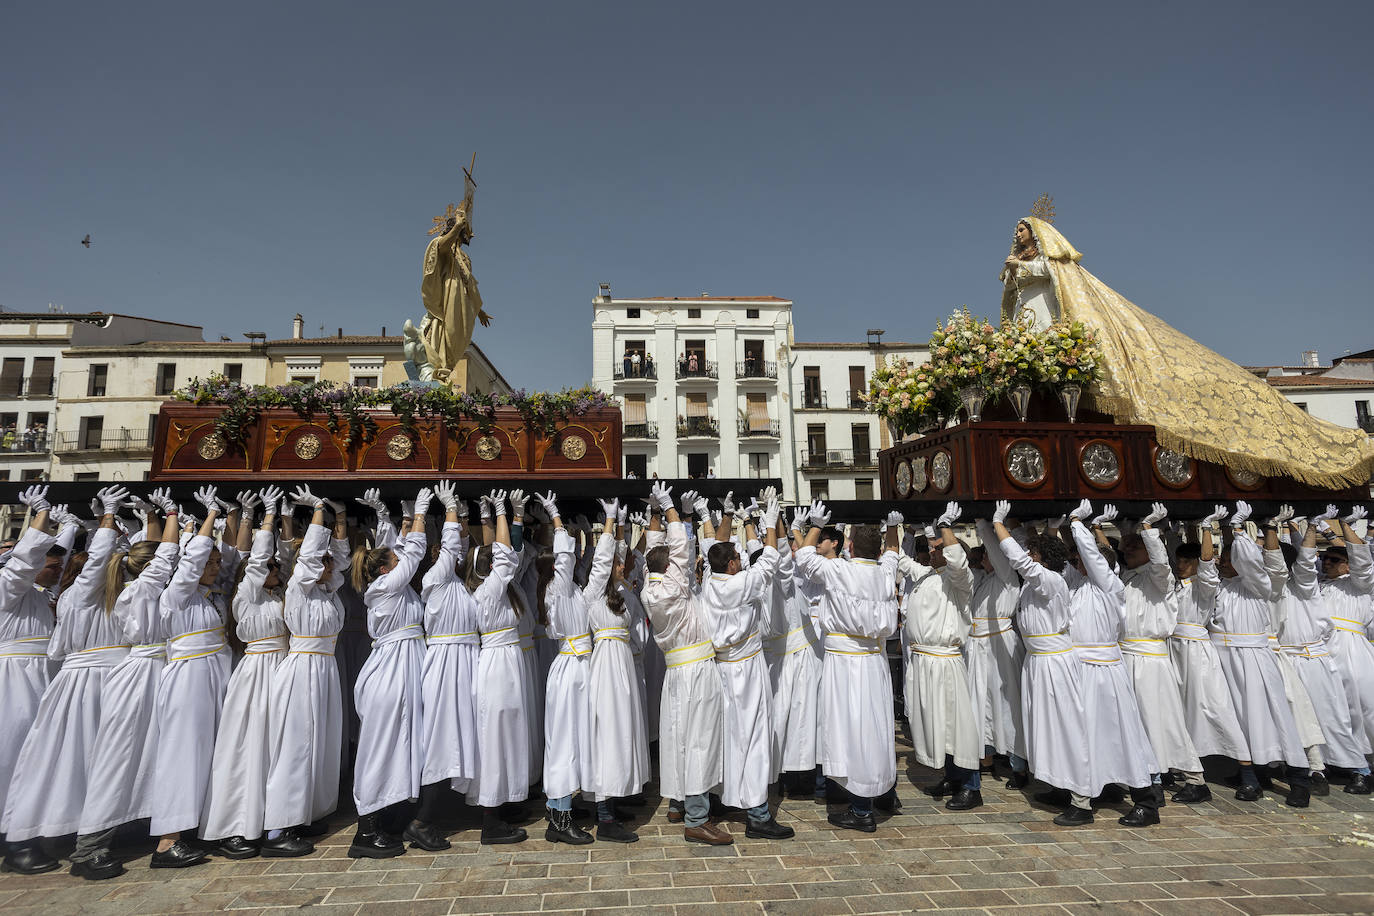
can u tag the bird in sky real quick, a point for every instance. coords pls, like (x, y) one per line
(87, 240)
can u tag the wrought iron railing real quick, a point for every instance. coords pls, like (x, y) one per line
(641, 430)
(108, 440)
(703, 369)
(697, 426)
(756, 368)
(756, 428)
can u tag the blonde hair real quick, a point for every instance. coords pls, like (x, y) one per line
(121, 567)
(366, 565)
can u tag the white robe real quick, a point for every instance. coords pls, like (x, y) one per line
(567, 693)
(794, 667)
(49, 784)
(994, 653)
(307, 712)
(857, 615)
(26, 623)
(391, 736)
(1051, 692)
(452, 639)
(1151, 616)
(732, 606)
(691, 720)
(525, 585)
(620, 746)
(126, 742)
(190, 691)
(1240, 631)
(939, 619)
(1208, 709)
(243, 747)
(503, 753)
(1348, 604)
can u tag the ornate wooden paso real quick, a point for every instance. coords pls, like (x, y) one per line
(285, 445)
(1037, 460)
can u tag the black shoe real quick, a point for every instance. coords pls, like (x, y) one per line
(1074, 817)
(1249, 793)
(181, 855)
(638, 800)
(1054, 798)
(888, 802)
(28, 858)
(512, 811)
(1139, 816)
(615, 832)
(965, 800)
(1299, 797)
(236, 847)
(768, 830)
(1111, 794)
(287, 846)
(946, 786)
(424, 836)
(1319, 784)
(312, 829)
(1168, 779)
(563, 830)
(371, 843)
(1018, 780)
(848, 820)
(1358, 785)
(503, 833)
(1192, 795)
(101, 868)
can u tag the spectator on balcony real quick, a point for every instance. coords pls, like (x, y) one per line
(750, 365)
(650, 371)
(692, 364)
(8, 441)
(628, 365)
(30, 438)
(634, 363)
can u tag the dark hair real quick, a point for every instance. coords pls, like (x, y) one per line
(832, 533)
(656, 560)
(1290, 553)
(74, 567)
(1054, 553)
(754, 557)
(1337, 553)
(1189, 552)
(56, 550)
(720, 555)
(866, 542)
(544, 565)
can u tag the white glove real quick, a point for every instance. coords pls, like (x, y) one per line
(1242, 513)
(498, 501)
(248, 501)
(1108, 514)
(770, 514)
(271, 499)
(928, 531)
(443, 491)
(162, 498)
(188, 520)
(422, 501)
(225, 507)
(1219, 512)
(372, 499)
(549, 502)
(1083, 512)
(303, 497)
(622, 514)
(111, 498)
(894, 519)
(1284, 514)
(952, 514)
(800, 516)
(662, 496)
(97, 510)
(1000, 513)
(206, 497)
(221, 523)
(639, 518)
(820, 515)
(1297, 521)
(62, 516)
(1157, 513)
(688, 502)
(36, 498)
(768, 493)
(336, 506)
(702, 506)
(609, 508)
(753, 510)
(718, 519)
(727, 505)
(517, 503)
(1356, 513)
(1055, 524)
(484, 507)
(462, 509)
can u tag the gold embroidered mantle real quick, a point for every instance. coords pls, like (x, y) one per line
(1200, 403)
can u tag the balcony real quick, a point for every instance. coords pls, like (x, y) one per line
(110, 440)
(759, 429)
(837, 459)
(813, 400)
(854, 400)
(756, 369)
(641, 431)
(641, 373)
(704, 370)
(32, 387)
(17, 443)
(704, 427)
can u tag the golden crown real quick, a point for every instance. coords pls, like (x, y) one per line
(1043, 208)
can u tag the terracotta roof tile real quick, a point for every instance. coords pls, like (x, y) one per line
(1318, 381)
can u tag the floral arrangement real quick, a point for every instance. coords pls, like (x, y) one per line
(964, 351)
(346, 407)
(907, 396)
(1072, 354)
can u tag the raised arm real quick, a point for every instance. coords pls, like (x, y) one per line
(27, 558)
(1001, 567)
(1099, 572)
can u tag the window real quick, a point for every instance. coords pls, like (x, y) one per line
(636, 415)
(41, 378)
(754, 366)
(820, 488)
(1362, 418)
(694, 313)
(857, 386)
(863, 489)
(12, 377)
(812, 395)
(302, 379)
(632, 360)
(37, 474)
(9, 421)
(815, 444)
(751, 313)
(4, 473)
(631, 313)
(365, 381)
(758, 464)
(166, 378)
(91, 429)
(233, 372)
(152, 428)
(858, 437)
(698, 464)
(757, 422)
(96, 378)
(637, 465)
(86, 475)
(1301, 405)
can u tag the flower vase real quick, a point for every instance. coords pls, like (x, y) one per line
(972, 398)
(1020, 400)
(928, 425)
(1068, 396)
(894, 432)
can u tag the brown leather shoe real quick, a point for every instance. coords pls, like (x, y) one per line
(675, 816)
(709, 833)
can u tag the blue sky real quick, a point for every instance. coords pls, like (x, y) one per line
(238, 163)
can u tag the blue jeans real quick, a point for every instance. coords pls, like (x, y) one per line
(861, 806)
(968, 779)
(1018, 764)
(697, 810)
(760, 813)
(561, 804)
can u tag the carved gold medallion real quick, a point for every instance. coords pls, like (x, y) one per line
(574, 448)
(400, 447)
(903, 478)
(212, 446)
(488, 448)
(308, 447)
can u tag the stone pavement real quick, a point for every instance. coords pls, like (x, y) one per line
(1222, 857)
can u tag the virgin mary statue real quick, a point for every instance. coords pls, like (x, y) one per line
(1200, 403)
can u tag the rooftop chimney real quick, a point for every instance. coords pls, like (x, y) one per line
(340, 333)
(297, 327)
(605, 294)
(1310, 359)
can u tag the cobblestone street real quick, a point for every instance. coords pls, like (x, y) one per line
(1222, 857)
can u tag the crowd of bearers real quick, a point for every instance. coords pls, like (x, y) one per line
(187, 672)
